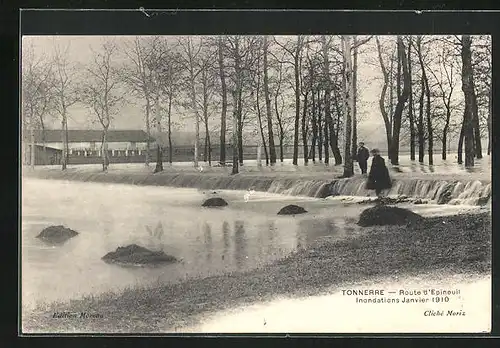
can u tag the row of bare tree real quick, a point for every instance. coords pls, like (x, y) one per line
(425, 74)
(301, 89)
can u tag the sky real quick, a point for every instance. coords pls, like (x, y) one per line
(370, 122)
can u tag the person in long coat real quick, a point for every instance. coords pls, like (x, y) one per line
(362, 157)
(378, 178)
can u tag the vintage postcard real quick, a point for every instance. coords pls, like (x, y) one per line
(305, 183)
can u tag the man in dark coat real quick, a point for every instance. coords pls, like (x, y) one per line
(362, 157)
(379, 178)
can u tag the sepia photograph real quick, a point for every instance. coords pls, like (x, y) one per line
(255, 184)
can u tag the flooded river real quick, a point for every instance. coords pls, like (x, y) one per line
(243, 235)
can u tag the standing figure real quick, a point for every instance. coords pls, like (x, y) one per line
(362, 157)
(379, 178)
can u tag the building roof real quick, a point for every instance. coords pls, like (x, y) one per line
(83, 136)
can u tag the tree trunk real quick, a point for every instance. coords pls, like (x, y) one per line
(194, 109)
(355, 102)
(235, 134)
(272, 147)
(477, 132)
(64, 157)
(326, 133)
(32, 147)
(104, 150)
(170, 129)
(314, 128)
(259, 155)
(297, 104)
(460, 159)
(468, 90)
(348, 106)
(259, 116)
(420, 125)
(410, 105)
(261, 129)
(445, 132)
(222, 159)
(320, 129)
(304, 130)
(280, 127)
(383, 93)
(425, 85)
(44, 147)
(207, 150)
(489, 121)
(402, 99)
(148, 130)
(240, 132)
(159, 142)
(208, 145)
(334, 132)
(239, 106)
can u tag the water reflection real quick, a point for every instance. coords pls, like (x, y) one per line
(240, 243)
(208, 241)
(225, 238)
(310, 230)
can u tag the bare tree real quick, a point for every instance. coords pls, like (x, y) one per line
(383, 110)
(191, 49)
(257, 87)
(222, 75)
(37, 95)
(170, 72)
(208, 84)
(272, 146)
(100, 91)
(411, 116)
(348, 104)
(427, 92)
(138, 76)
(446, 83)
(402, 99)
(349, 44)
(470, 103)
(66, 92)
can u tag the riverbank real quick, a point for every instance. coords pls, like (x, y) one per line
(458, 244)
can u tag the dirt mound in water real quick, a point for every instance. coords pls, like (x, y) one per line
(382, 215)
(214, 202)
(136, 255)
(57, 234)
(292, 209)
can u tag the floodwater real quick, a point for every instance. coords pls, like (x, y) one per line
(243, 235)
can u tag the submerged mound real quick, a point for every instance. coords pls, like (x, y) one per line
(292, 209)
(382, 215)
(134, 254)
(57, 234)
(214, 202)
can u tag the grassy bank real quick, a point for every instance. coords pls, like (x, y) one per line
(455, 244)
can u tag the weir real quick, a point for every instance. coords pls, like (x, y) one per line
(466, 192)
